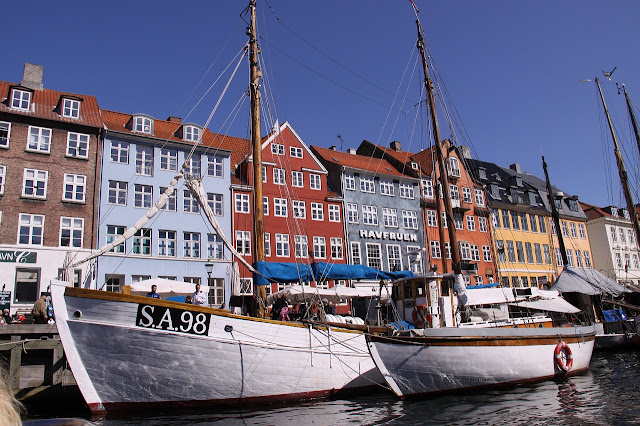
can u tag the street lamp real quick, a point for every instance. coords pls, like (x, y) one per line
(209, 268)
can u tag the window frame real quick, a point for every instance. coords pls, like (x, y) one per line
(77, 181)
(79, 145)
(73, 108)
(42, 140)
(34, 187)
(31, 227)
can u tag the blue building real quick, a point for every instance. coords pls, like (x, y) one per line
(141, 155)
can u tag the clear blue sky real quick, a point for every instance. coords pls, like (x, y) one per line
(512, 68)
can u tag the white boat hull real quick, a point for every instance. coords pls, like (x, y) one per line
(120, 363)
(451, 359)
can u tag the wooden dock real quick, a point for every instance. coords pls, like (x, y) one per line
(33, 356)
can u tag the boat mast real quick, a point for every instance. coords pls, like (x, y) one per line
(444, 182)
(555, 215)
(621, 169)
(256, 142)
(632, 213)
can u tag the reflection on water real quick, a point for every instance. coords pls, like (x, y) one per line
(606, 395)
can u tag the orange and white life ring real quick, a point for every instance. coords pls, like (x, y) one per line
(420, 316)
(563, 356)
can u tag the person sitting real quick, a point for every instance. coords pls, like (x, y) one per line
(153, 292)
(188, 299)
(39, 310)
(331, 309)
(6, 316)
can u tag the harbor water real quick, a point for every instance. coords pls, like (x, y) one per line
(606, 395)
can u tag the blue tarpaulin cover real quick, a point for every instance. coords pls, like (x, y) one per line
(613, 315)
(281, 272)
(490, 285)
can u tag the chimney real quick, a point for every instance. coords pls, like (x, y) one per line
(465, 152)
(516, 168)
(32, 76)
(396, 146)
(351, 151)
(333, 148)
(173, 119)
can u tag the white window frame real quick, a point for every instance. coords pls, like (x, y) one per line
(142, 196)
(72, 225)
(216, 203)
(390, 217)
(319, 247)
(78, 145)
(317, 211)
(193, 166)
(372, 260)
(120, 149)
(35, 176)
(471, 223)
(482, 224)
(315, 182)
(466, 195)
(168, 159)
(349, 182)
(355, 253)
(479, 194)
(282, 245)
(295, 152)
(172, 201)
(191, 246)
(5, 128)
(3, 177)
(369, 215)
(215, 246)
(21, 99)
(243, 242)
(76, 186)
(192, 133)
(215, 166)
(427, 188)
(70, 108)
(31, 222)
(143, 124)
(144, 160)
(432, 218)
(280, 208)
(241, 203)
(39, 140)
(190, 203)
(299, 209)
(277, 149)
(367, 185)
(278, 176)
(394, 254)
(352, 213)
(337, 248)
(167, 243)
(334, 212)
(301, 246)
(297, 179)
(141, 242)
(387, 188)
(486, 253)
(410, 219)
(112, 232)
(407, 191)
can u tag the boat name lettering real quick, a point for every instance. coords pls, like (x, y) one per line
(18, 256)
(394, 236)
(172, 319)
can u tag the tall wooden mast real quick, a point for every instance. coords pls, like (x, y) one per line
(444, 181)
(256, 142)
(634, 123)
(555, 215)
(621, 169)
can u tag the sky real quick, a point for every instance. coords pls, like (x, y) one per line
(512, 71)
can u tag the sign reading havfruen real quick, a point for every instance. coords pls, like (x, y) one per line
(18, 256)
(394, 236)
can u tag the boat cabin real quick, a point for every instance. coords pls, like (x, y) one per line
(427, 300)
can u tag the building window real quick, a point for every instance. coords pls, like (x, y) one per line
(374, 255)
(579, 258)
(280, 207)
(427, 188)
(370, 215)
(168, 160)
(27, 288)
(352, 213)
(559, 261)
(297, 179)
(465, 250)
(216, 292)
(394, 258)
(39, 139)
(20, 99)
(314, 181)
(265, 206)
(3, 174)
(267, 244)
(565, 229)
(502, 257)
(409, 219)
(216, 203)
(302, 246)
(191, 133)
(466, 195)
(192, 244)
(444, 220)
(524, 221)
(71, 231)
(356, 259)
(543, 227)
(547, 254)
(479, 193)
(77, 145)
(70, 108)
(242, 203)
(510, 252)
(538, 253)
(570, 257)
(34, 184)
(436, 253)
(282, 245)
(277, 149)
(390, 217)
(529, 252)
(317, 211)
(278, 176)
(167, 243)
(454, 192)
(143, 125)
(190, 204)
(349, 182)
(471, 223)
(475, 252)
(143, 195)
(243, 242)
(215, 167)
(192, 166)
(299, 209)
(482, 224)
(486, 253)
(337, 251)
(319, 248)
(453, 167)
(406, 191)
(74, 188)
(215, 246)
(5, 133)
(457, 221)
(506, 222)
(295, 152)
(144, 160)
(334, 211)
(520, 251)
(367, 185)
(119, 152)
(171, 200)
(142, 242)
(495, 191)
(31, 229)
(386, 187)
(583, 232)
(622, 237)
(515, 219)
(432, 218)
(114, 232)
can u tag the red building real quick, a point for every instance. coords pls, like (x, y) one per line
(302, 215)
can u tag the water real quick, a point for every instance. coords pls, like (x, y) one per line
(606, 395)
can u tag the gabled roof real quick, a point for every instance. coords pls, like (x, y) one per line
(358, 162)
(594, 212)
(45, 105)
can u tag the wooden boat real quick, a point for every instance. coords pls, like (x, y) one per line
(440, 355)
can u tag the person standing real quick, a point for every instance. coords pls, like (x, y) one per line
(39, 311)
(199, 298)
(153, 293)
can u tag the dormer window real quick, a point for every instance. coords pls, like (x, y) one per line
(20, 99)
(70, 108)
(414, 165)
(514, 195)
(482, 173)
(573, 205)
(495, 191)
(532, 198)
(518, 181)
(143, 124)
(614, 211)
(191, 133)
(625, 212)
(497, 177)
(453, 167)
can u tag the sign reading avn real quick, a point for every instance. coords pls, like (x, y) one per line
(18, 256)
